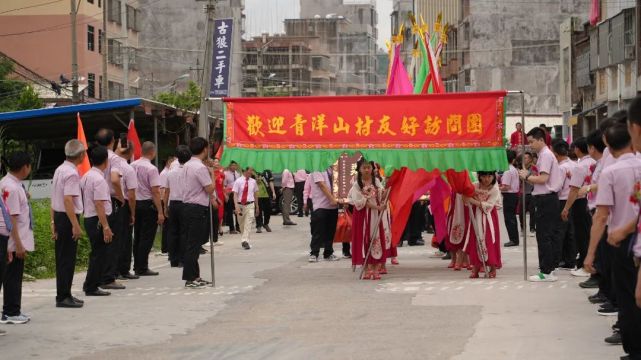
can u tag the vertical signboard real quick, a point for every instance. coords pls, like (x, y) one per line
(222, 57)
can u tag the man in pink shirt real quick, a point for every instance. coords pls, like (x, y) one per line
(547, 183)
(5, 229)
(199, 196)
(164, 248)
(149, 212)
(616, 210)
(510, 185)
(123, 241)
(324, 217)
(97, 208)
(66, 207)
(299, 186)
(566, 246)
(175, 216)
(287, 187)
(21, 238)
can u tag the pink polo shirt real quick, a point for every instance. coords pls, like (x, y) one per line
(66, 182)
(196, 179)
(163, 176)
(606, 161)
(115, 164)
(581, 173)
(307, 190)
(547, 164)
(230, 178)
(319, 199)
(175, 183)
(148, 178)
(511, 179)
(129, 179)
(95, 188)
(15, 197)
(567, 167)
(287, 180)
(300, 176)
(616, 183)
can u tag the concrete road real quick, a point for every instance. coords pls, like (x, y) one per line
(269, 303)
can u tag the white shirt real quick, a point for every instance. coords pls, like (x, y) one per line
(239, 186)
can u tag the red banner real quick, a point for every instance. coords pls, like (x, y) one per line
(458, 120)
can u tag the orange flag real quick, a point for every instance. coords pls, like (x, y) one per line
(132, 135)
(84, 166)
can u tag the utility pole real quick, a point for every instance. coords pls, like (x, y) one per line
(125, 49)
(105, 51)
(75, 98)
(259, 72)
(203, 118)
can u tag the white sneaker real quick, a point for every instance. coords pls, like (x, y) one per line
(18, 319)
(580, 273)
(541, 277)
(313, 259)
(437, 254)
(332, 258)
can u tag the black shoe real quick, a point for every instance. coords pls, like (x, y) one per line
(591, 283)
(97, 293)
(246, 245)
(233, 232)
(129, 276)
(614, 339)
(597, 298)
(68, 303)
(77, 300)
(607, 309)
(147, 273)
(627, 357)
(289, 223)
(510, 244)
(267, 228)
(418, 242)
(300, 215)
(203, 251)
(113, 286)
(259, 230)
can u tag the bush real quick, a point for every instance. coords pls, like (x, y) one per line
(41, 263)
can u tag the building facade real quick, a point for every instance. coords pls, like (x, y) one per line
(429, 10)
(33, 31)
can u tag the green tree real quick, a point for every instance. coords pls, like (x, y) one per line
(186, 100)
(15, 95)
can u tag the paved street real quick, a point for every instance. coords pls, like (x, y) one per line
(269, 303)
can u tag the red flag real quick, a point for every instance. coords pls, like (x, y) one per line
(401, 198)
(219, 153)
(595, 12)
(132, 135)
(84, 166)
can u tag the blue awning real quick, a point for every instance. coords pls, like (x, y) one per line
(72, 109)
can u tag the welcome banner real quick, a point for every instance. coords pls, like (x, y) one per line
(444, 121)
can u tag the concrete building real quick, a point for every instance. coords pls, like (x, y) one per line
(515, 46)
(356, 55)
(402, 10)
(280, 66)
(172, 43)
(429, 10)
(37, 35)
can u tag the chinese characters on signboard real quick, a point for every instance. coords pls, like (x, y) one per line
(222, 58)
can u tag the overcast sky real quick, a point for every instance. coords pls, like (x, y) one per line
(268, 15)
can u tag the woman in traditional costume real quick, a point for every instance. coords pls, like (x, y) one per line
(219, 179)
(482, 209)
(392, 251)
(369, 210)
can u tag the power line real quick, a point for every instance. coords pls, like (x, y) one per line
(30, 7)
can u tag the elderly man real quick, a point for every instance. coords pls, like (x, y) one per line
(149, 212)
(66, 207)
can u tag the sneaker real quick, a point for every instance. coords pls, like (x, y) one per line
(267, 228)
(590, 283)
(541, 277)
(580, 273)
(331, 258)
(203, 282)
(193, 285)
(597, 298)
(18, 319)
(246, 245)
(347, 256)
(608, 309)
(614, 339)
(313, 259)
(567, 268)
(259, 230)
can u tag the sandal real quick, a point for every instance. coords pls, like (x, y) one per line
(394, 261)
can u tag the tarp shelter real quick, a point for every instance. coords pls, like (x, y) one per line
(48, 129)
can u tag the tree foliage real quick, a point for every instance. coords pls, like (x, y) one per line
(186, 100)
(15, 95)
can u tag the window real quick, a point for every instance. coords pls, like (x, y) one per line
(100, 94)
(99, 3)
(114, 11)
(90, 38)
(91, 85)
(100, 41)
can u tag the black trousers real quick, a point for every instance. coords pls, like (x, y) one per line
(510, 201)
(230, 215)
(606, 257)
(4, 240)
(197, 231)
(265, 213)
(324, 229)
(547, 218)
(566, 244)
(164, 247)
(97, 257)
(176, 234)
(66, 250)
(144, 233)
(530, 206)
(117, 222)
(626, 277)
(415, 224)
(125, 243)
(299, 188)
(13, 287)
(582, 221)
